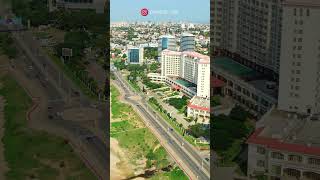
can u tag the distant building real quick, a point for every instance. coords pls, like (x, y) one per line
(167, 42)
(187, 42)
(135, 56)
(97, 5)
(285, 146)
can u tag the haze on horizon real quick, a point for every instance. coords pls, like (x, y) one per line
(193, 11)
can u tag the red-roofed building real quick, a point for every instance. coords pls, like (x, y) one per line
(285, 147)
(217, 86)
(199, 108)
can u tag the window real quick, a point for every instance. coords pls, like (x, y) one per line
(260, 163)
(276, 169)
(295, 158)
(261, 150)
(301, 11)
(277, 155)
(314, 161)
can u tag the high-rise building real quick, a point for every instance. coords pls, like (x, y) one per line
(285, 144)
(187, 42)
(251, 30)
(135, 56)
(98, 5)
(167, 42)
(300, 55)
(170, 63)
(216, 20)
(188, 65)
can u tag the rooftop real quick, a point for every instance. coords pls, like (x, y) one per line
(187, 34)
(203, 59)
(233, 67)
(184, 83)
(288, 132)
(249, 75)
(166, 36)
(199, 103)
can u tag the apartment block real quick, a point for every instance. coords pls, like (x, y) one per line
(251, 31)
(300, 57)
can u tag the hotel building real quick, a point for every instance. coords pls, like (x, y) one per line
(188, 72)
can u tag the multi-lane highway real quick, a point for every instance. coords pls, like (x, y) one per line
(183, 151)
(93, 149)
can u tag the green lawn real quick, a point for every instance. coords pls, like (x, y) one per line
(32, 153)
(121, 126)
(137, 140)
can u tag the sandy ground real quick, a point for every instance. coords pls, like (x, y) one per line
(119, 167)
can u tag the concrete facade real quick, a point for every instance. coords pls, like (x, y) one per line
(300, 53)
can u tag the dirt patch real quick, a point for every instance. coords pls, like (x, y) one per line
(119, 167)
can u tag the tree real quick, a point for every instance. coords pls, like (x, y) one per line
(124, 56)
(198, 130)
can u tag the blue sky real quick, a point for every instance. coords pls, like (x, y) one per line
(178, 10)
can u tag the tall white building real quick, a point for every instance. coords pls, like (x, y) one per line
(191, 66)
(187, 42)
(203, 81)
(250, 29)
(170, 63)
(300, 57)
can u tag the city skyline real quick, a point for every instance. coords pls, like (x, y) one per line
(160, 11)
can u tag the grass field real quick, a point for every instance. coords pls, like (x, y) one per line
(34, 154)
(138, 142)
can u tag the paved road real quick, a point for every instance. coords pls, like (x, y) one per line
(186, 153)
(92, 147)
